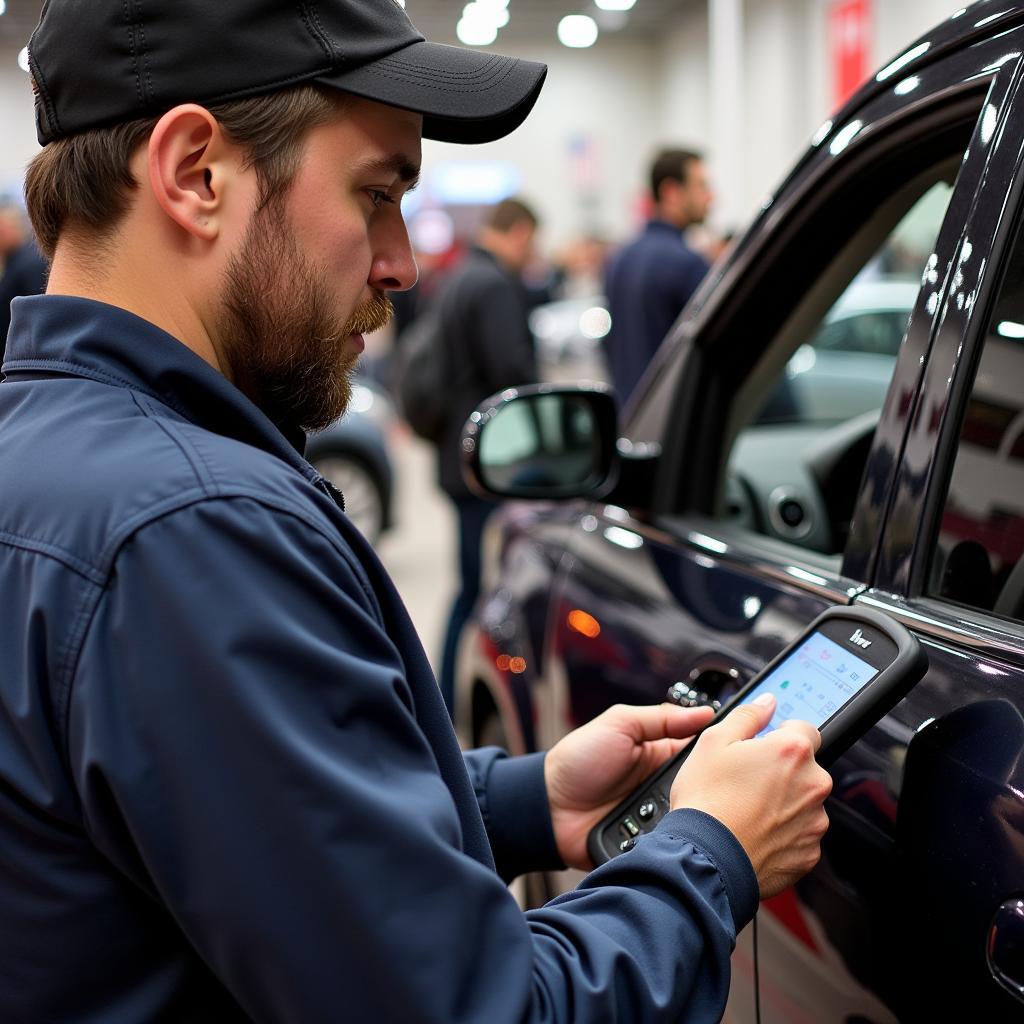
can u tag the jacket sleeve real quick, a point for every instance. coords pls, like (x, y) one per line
(513, 800)
(246, 751)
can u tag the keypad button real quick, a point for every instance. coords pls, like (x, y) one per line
(626, 845)
(646, 810)
(630, 827)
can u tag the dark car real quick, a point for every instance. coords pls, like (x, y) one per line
(353, 454)
(695, 537)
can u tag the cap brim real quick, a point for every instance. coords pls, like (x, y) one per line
(464, 95)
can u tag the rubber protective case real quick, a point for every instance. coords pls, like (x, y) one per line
(642, 809)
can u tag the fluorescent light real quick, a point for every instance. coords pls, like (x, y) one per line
(480, 22)
(474, 31)
(907, 85)
(577, 31)
(488, 12)
(902, 61)
(1010, 329)
(624, 538)
(615, 5)
(845, 137)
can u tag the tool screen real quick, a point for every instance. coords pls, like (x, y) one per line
(814, 682)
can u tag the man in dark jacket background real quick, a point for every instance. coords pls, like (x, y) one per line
(649, 281)
(483, 309)
(22, 267)
(229, 788)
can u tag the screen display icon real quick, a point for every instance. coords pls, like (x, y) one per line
(817, 679)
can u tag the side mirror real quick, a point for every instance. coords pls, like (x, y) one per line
(543, 441)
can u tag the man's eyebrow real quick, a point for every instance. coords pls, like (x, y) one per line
(397, 163)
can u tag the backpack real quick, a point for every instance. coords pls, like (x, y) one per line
(422, 382)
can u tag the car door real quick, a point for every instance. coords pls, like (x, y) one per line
(950, 567)
(750, 518)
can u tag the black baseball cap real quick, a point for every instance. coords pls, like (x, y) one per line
(102, 62)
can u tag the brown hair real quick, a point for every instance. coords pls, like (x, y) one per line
(85, 181)
(671, 165)
(508, 213)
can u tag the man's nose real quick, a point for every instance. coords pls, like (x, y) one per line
(394, 265)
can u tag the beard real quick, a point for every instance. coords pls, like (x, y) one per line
(286, 346)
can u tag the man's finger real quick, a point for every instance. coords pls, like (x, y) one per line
(747, 720)
(660, 721)
(797, 725)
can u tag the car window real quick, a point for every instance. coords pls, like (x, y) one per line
(977, 560)
(812, 418)
(844, 367)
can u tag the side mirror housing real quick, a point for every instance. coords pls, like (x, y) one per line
(543, 441)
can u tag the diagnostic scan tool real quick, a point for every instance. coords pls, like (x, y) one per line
(842, 674)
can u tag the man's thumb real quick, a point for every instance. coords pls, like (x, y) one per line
(748, 720)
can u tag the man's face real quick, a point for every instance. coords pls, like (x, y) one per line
(522, 238)
(312, 272)
(11, 232)
(695, 193)
(687, 202)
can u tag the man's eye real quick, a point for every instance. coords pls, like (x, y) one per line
(379, 198)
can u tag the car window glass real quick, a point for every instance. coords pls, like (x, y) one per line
(977, 560)
(830, 390)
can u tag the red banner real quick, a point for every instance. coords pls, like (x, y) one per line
(849, 47)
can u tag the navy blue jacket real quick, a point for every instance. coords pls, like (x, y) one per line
(23, 274)
(648, 282)
(228, 784)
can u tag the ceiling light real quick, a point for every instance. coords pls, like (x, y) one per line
(482, 18)
(615, 5)
(475, 32)
(578, 31)
(23, 59)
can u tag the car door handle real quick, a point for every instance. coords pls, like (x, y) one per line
(706, 686)
(1005, 947)
(687, 696)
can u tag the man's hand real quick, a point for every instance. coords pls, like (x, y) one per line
(767, 790)
(589, 771)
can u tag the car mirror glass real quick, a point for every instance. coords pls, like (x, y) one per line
(543, 444)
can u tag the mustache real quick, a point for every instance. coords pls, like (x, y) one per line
(372, 315)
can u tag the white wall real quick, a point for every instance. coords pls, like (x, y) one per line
(785, 81)
(900, 22)
(631, 97)
(606, 94)
(683, 100)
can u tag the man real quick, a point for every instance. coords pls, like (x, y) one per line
(650, 280)
(483, 309)
(22, 268)
(228, 785)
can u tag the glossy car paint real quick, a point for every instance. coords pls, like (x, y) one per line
(601, 603)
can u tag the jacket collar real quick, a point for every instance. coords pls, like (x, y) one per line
(663, 226)
(65, 335)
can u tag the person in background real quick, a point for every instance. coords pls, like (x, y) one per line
(484, 308)
(649, 281)
(22, 267)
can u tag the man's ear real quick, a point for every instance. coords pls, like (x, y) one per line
(189, 163)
